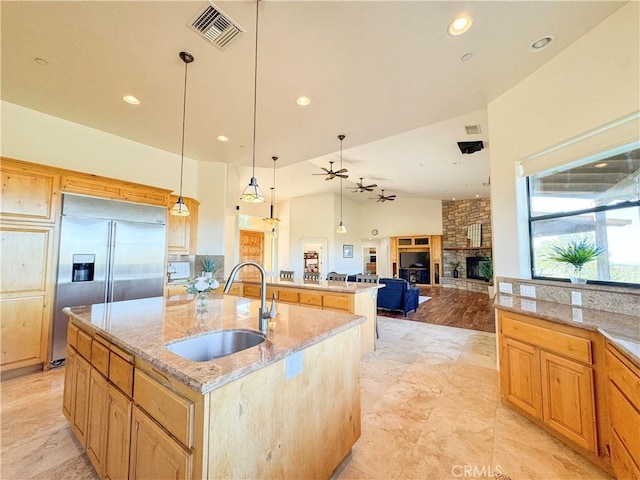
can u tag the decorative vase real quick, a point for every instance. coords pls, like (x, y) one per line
(201, 303)
(455, 273)
(207, 274)
(577, 277)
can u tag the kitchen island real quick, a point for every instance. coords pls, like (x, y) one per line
(286, 408)
(352, 297)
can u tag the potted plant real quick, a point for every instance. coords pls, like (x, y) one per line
(208, 266)
(576, 253)
(486, 270)
(455, 266)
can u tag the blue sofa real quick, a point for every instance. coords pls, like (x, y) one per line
(398, 295)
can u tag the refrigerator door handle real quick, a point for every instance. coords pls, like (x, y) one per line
(108, 293)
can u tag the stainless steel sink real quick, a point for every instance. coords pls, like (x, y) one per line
(215, 345)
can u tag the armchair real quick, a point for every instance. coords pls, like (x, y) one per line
(398, 295)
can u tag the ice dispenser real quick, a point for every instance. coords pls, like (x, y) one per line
(83, 268)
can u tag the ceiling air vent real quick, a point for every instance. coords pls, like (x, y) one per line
(472, 129)
(215, 26)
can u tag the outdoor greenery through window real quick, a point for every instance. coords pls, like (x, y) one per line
(590, 204)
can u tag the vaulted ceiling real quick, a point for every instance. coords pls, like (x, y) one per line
(384, 73)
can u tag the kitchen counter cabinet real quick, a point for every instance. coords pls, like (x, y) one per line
(548, 373)
(247, 415)
(351, 297)
(623, 396)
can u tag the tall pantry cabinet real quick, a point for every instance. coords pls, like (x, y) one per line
(28, 214)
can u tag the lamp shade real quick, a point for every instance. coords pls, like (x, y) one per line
(179, 209)
(253, 193)
(341, 228)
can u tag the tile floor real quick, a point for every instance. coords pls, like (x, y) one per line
(431, 411)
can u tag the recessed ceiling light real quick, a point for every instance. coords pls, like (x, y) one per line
(477, 196)
(541, 43)
(466, 57)
(42, 62)
(131, 99)
(304, 101)
(453, 198)
(460, 25)
(222, 138)
(601, 165)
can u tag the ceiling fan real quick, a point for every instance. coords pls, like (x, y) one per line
(383, 198)
(331, 174)
(363, 188)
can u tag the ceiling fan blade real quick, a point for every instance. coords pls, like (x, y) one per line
(342, 170)
(371, 186)
(390, 199)
(341, 175)
(330, 176)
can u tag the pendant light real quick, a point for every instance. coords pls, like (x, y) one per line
(252, 193)
(180, 209)
(272, 220)
(341, 228)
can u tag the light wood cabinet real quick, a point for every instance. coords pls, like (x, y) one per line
(154, 454)
(623, 397)
(118, 438)
(29, 192)
(97, 186)
(547, 372)
(97, 427)
(182, 232)
(80, 409)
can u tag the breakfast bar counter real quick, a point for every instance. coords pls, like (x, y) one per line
(352, 297)
(143, 411)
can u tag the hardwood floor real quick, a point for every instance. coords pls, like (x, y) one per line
(452, 308)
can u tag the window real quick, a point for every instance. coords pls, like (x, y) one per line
(597, 200)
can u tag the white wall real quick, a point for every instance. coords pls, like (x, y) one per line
(592, 82)
(403, 216)
(40, 138)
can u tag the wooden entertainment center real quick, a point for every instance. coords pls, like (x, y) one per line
(417, 259)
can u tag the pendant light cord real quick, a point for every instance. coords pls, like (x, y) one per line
(184, 110)
(255, 94)
(341, 179)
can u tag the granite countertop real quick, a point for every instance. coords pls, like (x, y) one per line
(339, 287)
(621, 330)
(143, 327)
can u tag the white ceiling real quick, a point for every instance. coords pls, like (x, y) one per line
(384, 73)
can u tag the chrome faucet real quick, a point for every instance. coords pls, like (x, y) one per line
(263, 314)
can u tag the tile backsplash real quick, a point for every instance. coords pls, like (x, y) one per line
(195, 264)
(625, 301)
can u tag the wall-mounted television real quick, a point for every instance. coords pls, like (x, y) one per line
(414, 259)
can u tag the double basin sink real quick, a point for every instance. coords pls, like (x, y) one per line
(215, 344)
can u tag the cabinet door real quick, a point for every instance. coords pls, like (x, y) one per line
(520, 376)
(29, 193)
(81, 400)
(97, 421)
(25, 306)
(569, 399)
(69, 385)
(116, 465)
(182, 231)
(154, 454)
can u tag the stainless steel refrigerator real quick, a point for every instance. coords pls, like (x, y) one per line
(109, 251)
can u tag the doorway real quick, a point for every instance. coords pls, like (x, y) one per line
(251, 248)
(314, 255)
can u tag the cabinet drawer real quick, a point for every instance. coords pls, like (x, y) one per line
(72, 335)
(621, 462)
(627, 380)
(288, 296)
(625, 420)
(84, 345)
(100, 356)
(335, 302)
(312, 299)
(169, 409)
(121, 373)
(564, 344)
(251, 291)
